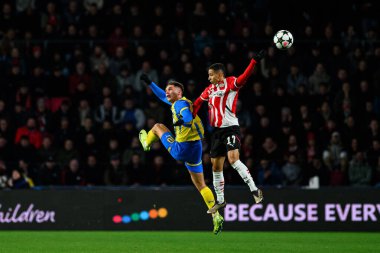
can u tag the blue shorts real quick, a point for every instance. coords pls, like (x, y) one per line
(189, 152)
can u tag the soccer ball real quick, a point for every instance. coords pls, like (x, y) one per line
(283, 39)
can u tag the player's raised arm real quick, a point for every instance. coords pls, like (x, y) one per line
(160, 93)
(242, 79)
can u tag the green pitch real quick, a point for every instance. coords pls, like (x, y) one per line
(180, 241)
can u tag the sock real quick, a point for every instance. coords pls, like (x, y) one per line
(209, 199)
(218, 181)
(151, 138)
(245, 175)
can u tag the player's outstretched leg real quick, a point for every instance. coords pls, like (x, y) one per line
(147, 139)
(208, 197)
(246, 176)
(218, 182)
(217, 219)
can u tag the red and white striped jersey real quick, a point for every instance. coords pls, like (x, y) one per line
(222, 100)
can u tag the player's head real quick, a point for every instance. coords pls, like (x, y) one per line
(174, 91)
(216, 73)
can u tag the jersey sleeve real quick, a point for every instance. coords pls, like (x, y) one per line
(160, 93)
(182, 108)
(242, 79)
(231, 83)
(205, 94)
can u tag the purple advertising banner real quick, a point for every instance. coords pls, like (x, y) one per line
(182, 208)
(302, 212)
(29, 214)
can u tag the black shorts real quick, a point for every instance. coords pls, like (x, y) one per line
(224, 140)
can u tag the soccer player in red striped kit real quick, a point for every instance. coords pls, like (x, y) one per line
(222, 95)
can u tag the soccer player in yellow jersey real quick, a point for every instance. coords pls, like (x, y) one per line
(186, 145)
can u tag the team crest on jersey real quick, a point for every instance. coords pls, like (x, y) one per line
(170, 139)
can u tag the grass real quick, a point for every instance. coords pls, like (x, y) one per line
(181, 241)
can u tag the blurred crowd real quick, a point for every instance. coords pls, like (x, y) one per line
(72, 104)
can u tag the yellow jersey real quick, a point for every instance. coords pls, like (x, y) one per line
(192, 131)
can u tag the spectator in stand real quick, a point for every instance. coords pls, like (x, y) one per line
(133, 148)
(16, 59)
(3, 111)
(18, 180)
(372, 132)
(157, 173)
(47, 149)
(295, 79)
(5, 150)
(345, 102)
(73, 174)
(64, 131)
(24, 151)
(115, 174)
(101, 79)
(93, 171)
(72, 15)
(93, 16)
(90, 146)
(353, 148)
(51, 17)
(338, 173)
(136, 170)
(49, 173)
(155, 111)
(118, 61)
(373, 153)
(29, 130)
(319, 76)
(268, 173)
(43, 116)
(66, 153)
(125, 79)
(85, 113)
(317, 169)
(99, 57)
(293, 148)
(359, 172)
(107, 111)
(292, 172)
(132, 114)
(3, 175)
(271, 151)
(334, 151)
(147, 69)
(57, 88)
(5, 130)
(65, 110)
(79, 77)
(112, 149)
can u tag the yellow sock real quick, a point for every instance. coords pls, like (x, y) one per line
(208, 197)
(151, 138)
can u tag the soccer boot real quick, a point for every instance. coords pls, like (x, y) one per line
(258, 196)
(142, 136)
(216, 207)
(218, 223)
